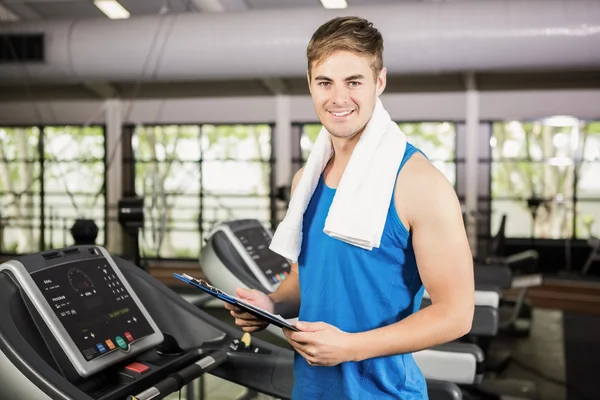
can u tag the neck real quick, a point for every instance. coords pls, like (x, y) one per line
(342, 150)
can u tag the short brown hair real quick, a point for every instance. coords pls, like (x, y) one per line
(353, 34)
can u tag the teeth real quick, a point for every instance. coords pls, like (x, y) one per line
(342, 113)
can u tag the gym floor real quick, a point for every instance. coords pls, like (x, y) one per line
(561, 356)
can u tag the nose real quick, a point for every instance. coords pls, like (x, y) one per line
(340, 95)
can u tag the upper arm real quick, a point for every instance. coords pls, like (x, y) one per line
(295, 181)
(439, 239)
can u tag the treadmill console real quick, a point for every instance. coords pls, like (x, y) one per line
(251, 241)
(87, 305)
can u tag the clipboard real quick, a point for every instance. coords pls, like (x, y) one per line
(258, 312)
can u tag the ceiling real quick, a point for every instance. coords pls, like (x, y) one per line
(31, 10)
(75, 9)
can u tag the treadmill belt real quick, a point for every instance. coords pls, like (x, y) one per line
(582, 355)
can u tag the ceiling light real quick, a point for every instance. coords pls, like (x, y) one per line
(112, 9)
(334, 4)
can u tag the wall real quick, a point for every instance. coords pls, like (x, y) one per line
(413, 106)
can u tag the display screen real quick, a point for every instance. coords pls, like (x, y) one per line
(95, 309)
(256, 242)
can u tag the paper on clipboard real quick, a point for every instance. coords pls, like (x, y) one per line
(218, 293)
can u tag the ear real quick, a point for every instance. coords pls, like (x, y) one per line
(381, 81)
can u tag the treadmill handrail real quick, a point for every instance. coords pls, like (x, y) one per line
(179, 379)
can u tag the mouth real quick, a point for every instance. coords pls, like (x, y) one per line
(341, 114)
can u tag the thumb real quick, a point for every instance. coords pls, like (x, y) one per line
(246, 294)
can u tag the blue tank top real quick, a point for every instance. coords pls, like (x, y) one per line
(357, 290)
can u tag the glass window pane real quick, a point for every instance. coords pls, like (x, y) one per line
(219, 208)
(308, 138)
(588, 182)
(236, 142)
(171, 226)
(167, 175)
(436, 139)
(543, 140)
(527, 179)
(179, 142)
(74, 177)
(554, 220)
(236, 177)
(588, 219)
(73, 143)
(19, 190)
(590, 142)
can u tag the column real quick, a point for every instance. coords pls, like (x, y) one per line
(471, 160)
(114, 173)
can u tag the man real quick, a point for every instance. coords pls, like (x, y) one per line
(358, 309)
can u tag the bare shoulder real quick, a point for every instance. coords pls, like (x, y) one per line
(421, 188)
(296, 178)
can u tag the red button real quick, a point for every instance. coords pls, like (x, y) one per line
(128, 336)
(137, 367)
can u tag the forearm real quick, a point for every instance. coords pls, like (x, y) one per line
(287, 296)
(430, 326)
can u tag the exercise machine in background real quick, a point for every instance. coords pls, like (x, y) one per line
(131, 219)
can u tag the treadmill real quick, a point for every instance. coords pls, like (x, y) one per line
(80, 324)
(236, 254)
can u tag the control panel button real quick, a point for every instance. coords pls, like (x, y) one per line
(110, 344)
(121, 343)
(137, 367)
(128, 336)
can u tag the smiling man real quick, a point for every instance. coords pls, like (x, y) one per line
(359, 309)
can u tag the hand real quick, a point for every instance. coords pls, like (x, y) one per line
(320, 343)
(245, 320)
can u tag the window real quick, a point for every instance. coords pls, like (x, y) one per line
(588, 184)
(74, 176)
(236, 174)
(436, 139)
(193, 177)
(533, 177)
(37, 211)
(167, 175)
(20, 199)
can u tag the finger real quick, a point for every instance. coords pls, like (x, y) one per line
(299, 337)
(251, 329)
(310, 326)
(311, 360)
(243, 322)
(231, 307)
(244, 315)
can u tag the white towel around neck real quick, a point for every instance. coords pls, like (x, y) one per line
(360, 205)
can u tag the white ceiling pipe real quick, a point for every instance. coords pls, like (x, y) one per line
(424, 37)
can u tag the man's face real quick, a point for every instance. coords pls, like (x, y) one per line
(344, 92)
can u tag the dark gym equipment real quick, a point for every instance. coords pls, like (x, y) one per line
(84, 231)
(131, 218)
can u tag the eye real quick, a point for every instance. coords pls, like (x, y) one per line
(354, 84)
(324, 84)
